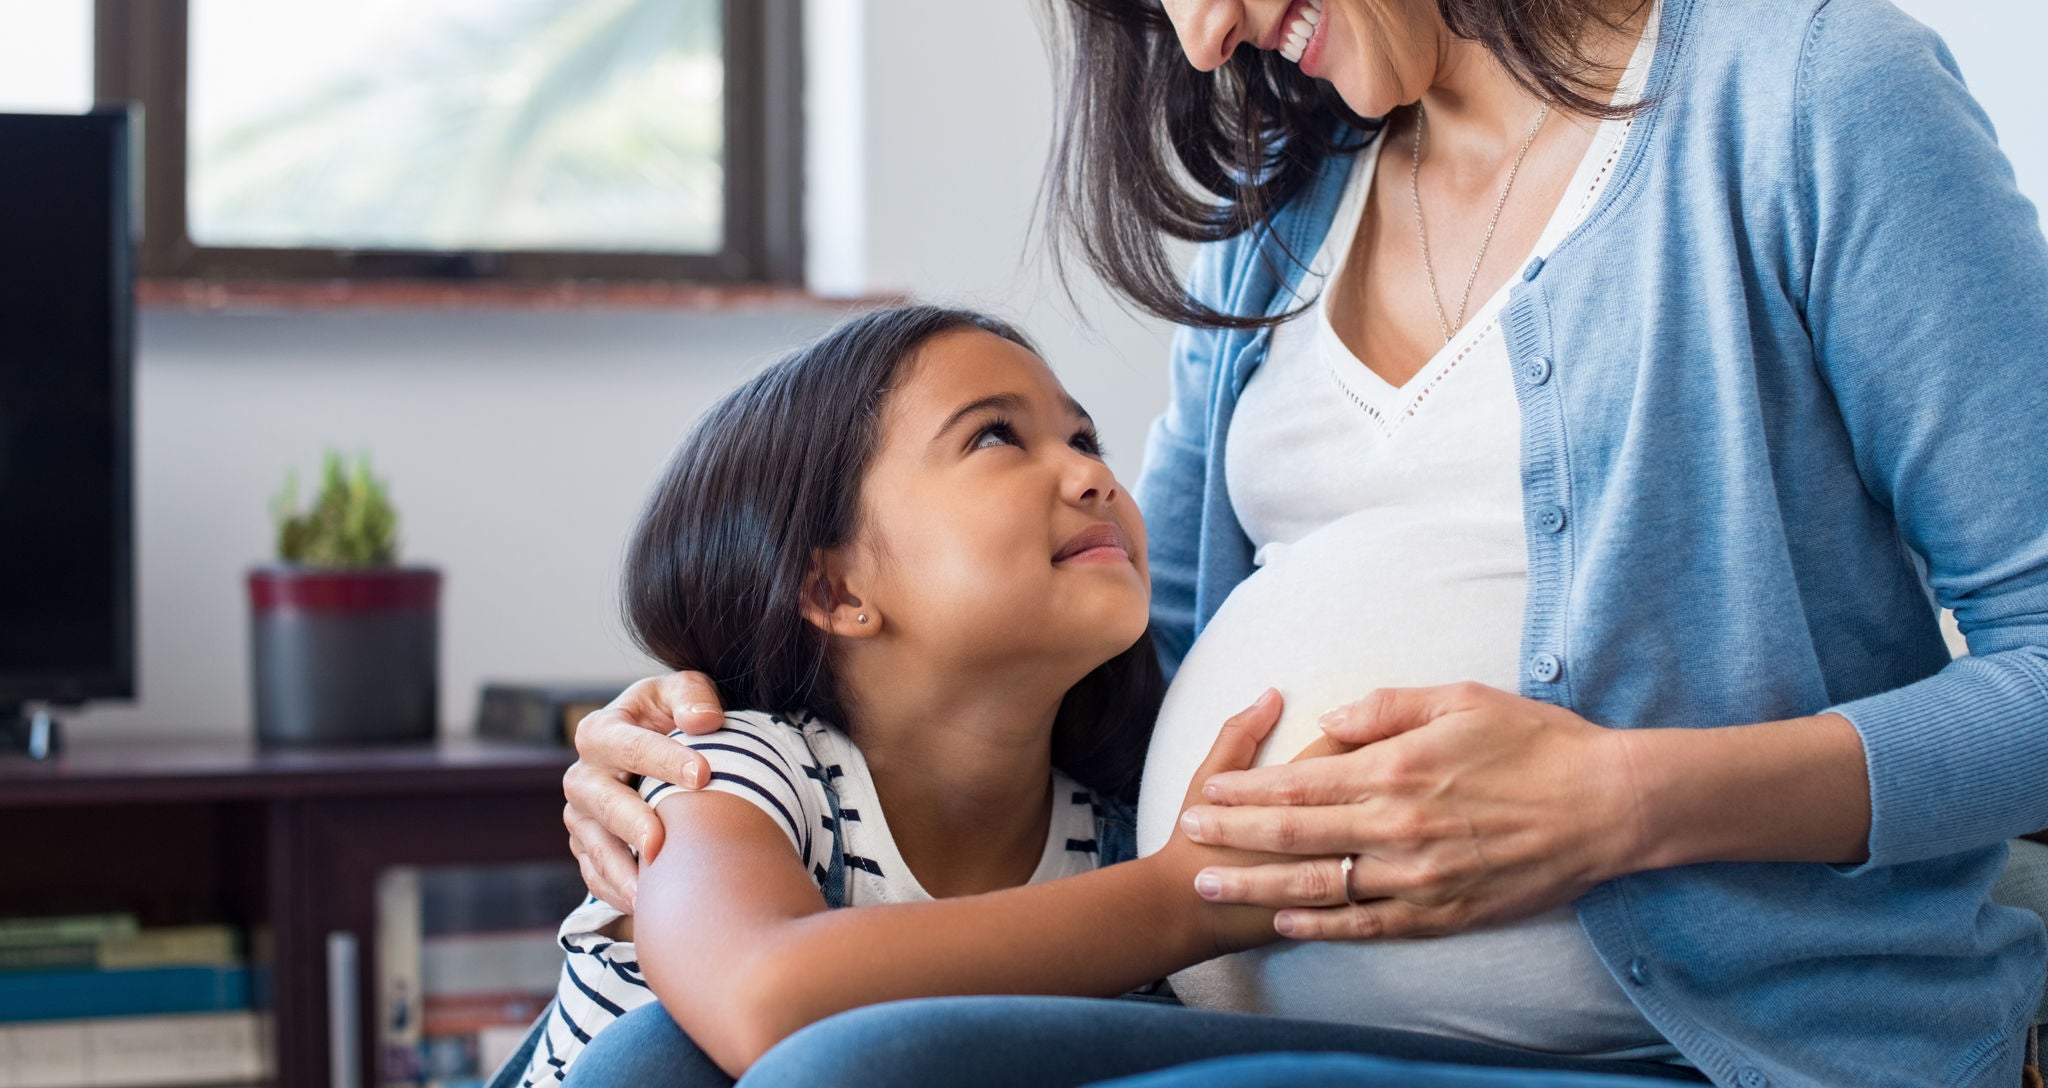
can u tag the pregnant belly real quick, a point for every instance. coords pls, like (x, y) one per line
(1325, 621)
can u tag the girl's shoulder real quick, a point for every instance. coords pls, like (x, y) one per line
(802, 738)
(784, 764)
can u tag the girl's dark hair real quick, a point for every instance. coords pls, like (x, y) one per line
(717, 567)
(1149, 148)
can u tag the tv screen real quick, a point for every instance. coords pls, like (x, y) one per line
(66, 320)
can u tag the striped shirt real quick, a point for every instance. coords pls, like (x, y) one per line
(810, 779)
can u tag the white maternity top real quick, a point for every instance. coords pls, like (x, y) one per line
(1391, 552)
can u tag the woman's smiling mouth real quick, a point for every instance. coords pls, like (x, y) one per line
(1301, 30)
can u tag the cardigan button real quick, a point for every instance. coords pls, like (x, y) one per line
(1535, 266)
(1545, 668)
(1639, 971)
(1751, 1077)
(1537, 370)
(1550, 518)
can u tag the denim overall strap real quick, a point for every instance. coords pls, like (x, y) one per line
(1116, 831)
(834, 883)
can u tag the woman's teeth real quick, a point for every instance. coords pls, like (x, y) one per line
(1301, 29)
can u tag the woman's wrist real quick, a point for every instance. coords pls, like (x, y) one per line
(1792, 790)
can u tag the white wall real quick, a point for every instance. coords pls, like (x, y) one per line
(519, 445)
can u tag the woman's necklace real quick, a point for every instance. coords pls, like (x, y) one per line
(1415, 194)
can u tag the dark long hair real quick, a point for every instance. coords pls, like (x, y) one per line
(1149, 148)
(716, 568)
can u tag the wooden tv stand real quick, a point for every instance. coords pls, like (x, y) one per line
(189, 833)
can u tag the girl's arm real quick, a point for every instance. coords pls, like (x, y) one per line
(736, 941)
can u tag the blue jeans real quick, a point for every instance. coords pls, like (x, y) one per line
(1046, 1041)
(644, 1048)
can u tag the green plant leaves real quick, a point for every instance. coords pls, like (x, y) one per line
(350, 524)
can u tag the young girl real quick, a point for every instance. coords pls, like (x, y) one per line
(901, 550)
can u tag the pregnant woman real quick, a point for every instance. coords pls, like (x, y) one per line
(1586, 404)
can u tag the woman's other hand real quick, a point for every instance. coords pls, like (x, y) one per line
(1462, 805)
(616, 746)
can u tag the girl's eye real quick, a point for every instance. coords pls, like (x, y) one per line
(997, 433)
(1088, 442)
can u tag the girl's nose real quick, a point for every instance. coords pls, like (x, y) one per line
(1210, 30)
(1090, 483)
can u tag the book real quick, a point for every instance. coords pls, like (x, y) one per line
(525, 961)
(539, 713)
(44, 957)
(473, 1014)
(65, 929)
(142, 991)
(138, 1051)
(167, 946)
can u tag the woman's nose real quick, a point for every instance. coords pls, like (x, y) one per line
(1209, 29)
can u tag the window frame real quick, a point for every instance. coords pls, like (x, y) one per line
(140, 53)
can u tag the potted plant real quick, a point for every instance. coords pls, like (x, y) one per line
(344, 642)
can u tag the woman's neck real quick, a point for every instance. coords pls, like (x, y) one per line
(1478, 113)
(963, 770)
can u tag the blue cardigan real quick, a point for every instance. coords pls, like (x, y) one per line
(1788, 386)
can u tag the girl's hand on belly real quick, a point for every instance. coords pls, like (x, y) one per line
(1230, 928)
(1463, 806)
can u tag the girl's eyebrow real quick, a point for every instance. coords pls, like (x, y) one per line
(1011, 403)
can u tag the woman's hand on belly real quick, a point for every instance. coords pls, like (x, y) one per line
(1463, 806)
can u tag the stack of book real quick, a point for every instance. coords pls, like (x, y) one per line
(97, 1001)
(467, 962)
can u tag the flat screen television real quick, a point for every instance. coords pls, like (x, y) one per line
(67, 555)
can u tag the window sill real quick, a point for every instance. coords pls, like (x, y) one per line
(270, 295)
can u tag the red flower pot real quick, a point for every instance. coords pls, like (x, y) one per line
(344, 656)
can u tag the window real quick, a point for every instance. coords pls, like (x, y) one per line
(505, 139)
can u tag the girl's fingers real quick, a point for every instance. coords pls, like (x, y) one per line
(1237, 744)
(1279, 829)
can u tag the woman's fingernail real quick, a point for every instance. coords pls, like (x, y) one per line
(1212, 792)
(700, 709)
(693, 776)
(1334, 716)
(1208, 885)
(1192, 824)
(1283, 924)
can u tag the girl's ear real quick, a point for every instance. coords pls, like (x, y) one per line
(830, 602)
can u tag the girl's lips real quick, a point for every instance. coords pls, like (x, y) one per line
(1103, 553)
(1095, 543)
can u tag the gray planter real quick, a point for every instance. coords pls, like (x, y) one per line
(344, 657)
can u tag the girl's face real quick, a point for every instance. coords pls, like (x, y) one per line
(993, 535)
(1378, 54)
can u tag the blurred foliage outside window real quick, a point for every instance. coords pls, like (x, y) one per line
(518, 125)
